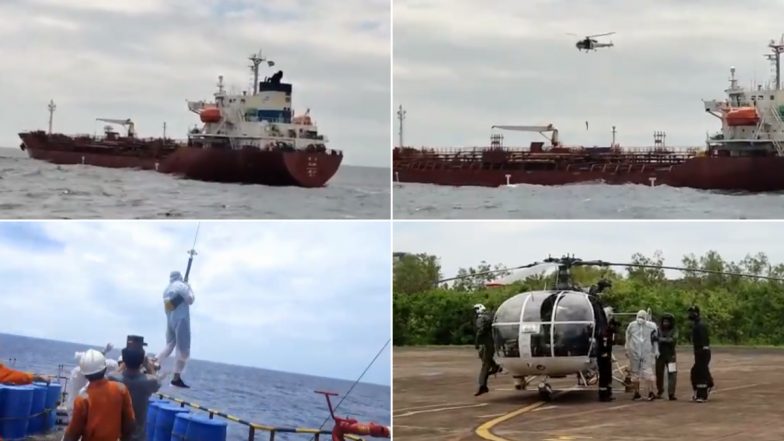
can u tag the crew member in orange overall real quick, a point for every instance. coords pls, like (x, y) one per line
(19, 378)
(103, 412)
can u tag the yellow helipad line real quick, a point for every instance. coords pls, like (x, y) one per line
(484, 431)
(440, 409)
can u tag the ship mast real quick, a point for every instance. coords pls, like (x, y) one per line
(401, 115)
(256, 60)
(775, 57)
(52, 107)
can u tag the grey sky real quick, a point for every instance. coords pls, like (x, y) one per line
(465, 244)
(462, 66)
(144, 58)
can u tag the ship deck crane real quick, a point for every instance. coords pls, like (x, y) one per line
(123, 122)
(540, 129)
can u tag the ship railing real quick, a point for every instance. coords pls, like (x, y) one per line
(254, 427)
(480, 154)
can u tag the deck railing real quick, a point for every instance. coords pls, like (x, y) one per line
(253, 427)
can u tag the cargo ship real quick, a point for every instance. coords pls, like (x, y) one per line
(248, 138)
(746, 155)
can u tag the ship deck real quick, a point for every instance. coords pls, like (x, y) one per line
(434, 400)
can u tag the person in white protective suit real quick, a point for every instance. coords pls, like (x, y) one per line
(77, 381)
(177, 299)
(642, 348)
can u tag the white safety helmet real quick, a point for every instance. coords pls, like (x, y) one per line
(479, 308)
(92, 362)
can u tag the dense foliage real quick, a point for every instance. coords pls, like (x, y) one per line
(738, 310)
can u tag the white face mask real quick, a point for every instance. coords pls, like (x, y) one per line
(640, 320)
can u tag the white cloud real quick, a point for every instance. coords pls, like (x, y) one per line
(288, 287)
(144, 59)
(461, 67)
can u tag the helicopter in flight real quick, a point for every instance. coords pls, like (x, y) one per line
(553, 333)
(589, 43)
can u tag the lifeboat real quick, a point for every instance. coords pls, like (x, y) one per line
(302, 119)
(210, 115)
(742, 116)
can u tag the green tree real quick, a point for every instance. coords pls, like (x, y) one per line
(413, 273)
(472, 279)
(738, 310)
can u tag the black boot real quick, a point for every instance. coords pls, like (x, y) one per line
(673, 398)
(177, 382)
(482, 390)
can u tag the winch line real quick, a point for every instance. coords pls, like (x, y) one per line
(357, 381)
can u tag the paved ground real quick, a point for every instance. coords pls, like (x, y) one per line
(433, 400)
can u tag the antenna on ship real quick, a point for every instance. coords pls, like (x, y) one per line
(613, 139)
(52, 107)
(164, 130)
(401, 115)
(775, 57)
(256, 60)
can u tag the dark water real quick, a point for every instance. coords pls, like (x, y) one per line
(258, 395)
(580, 201)
(38, 190)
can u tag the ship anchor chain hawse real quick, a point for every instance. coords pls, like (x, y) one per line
(251, 138)
(746, 155)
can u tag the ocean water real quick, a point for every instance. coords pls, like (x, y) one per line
(35, 189)
(580, 201)
(266, 397)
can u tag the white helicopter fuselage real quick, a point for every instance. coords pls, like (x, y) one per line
(547, 333)
(550, 367)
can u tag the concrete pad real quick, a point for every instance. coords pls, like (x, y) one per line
(433, 400)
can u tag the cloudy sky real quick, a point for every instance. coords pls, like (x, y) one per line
(466, 244)
(292, 289)
(143, 58)
(461, 67)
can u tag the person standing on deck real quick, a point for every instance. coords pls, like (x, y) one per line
(141, 386)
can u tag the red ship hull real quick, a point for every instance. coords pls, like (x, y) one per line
(246, 166)
(750, 173)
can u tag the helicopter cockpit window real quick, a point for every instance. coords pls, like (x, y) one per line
(539, 307)
(509, 311)
(573, 308)
(506, 326)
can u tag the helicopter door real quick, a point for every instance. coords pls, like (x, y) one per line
(573, 330)
(536, 324)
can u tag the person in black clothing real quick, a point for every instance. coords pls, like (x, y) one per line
(701, 379)
(604, 360)
(485, 345)
(665, 364)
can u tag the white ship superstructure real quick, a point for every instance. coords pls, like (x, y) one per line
(260, 119)
(751, 118)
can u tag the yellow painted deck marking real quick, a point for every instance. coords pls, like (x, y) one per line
(440, 409)
(484, 431)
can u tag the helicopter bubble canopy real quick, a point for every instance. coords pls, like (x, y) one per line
(546, 324)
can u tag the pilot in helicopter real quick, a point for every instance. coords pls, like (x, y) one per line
(484, 344)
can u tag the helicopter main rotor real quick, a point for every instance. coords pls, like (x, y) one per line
(565, 263)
